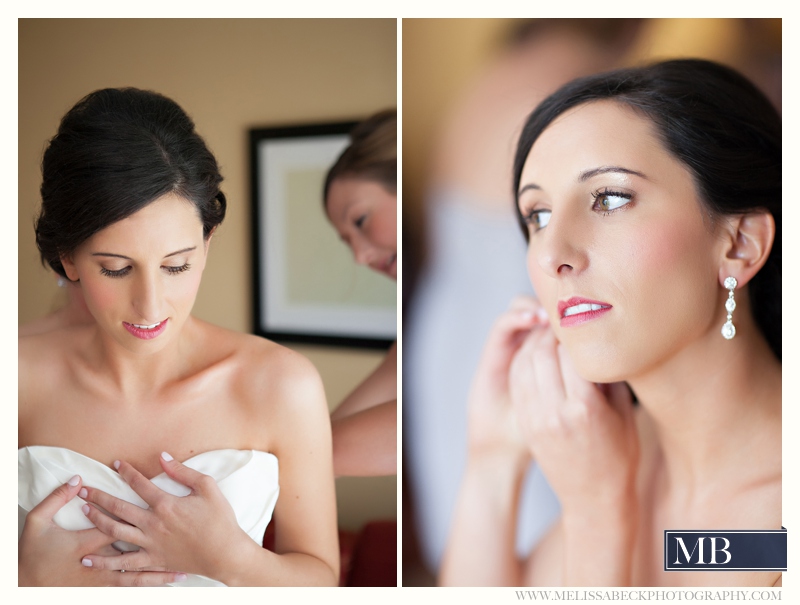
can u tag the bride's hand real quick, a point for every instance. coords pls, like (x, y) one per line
(492, 424)
(195, 533)
(51, 556)
(582, 434)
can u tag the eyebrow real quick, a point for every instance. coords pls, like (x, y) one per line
(587, 174)
(129, 258)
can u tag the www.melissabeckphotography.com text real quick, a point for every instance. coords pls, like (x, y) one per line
(642, 595)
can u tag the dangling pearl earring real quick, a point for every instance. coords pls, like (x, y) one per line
(728, 329)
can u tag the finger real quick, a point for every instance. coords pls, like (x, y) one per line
(129, 561)
(109, 551)
(506, 336)
(197, 481)
(115, 529)
(120, 509)
(537, 389)
(56, 500)
(522, 363)
(139, 483)
(547, 366)
(526, 302)
(149, 578)
(522, 383)
(93, 540)
(576, 387)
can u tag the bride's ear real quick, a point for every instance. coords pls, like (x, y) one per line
(69, 267)
(207, 241)
(748, 241)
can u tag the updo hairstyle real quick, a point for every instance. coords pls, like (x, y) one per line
(115, 152)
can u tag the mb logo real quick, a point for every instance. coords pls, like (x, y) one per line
(735, 550)
(713, 549)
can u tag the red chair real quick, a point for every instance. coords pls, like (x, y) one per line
(367, 557)
(374, 559)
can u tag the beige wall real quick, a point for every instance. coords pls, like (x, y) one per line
(229, 75)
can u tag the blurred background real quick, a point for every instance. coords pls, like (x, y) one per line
(468, 85)
(229, 75)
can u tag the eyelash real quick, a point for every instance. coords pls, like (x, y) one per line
(176, 270)
(126, 270)
(597, 195)
(359, 222)
(531, 215)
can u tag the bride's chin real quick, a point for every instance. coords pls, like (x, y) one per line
(597, 365)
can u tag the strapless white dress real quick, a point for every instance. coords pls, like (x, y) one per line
(247, 478)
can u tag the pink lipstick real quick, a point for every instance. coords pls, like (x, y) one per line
(578, 310)
(146, 332)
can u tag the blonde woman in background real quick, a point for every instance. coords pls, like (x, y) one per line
(360, 198)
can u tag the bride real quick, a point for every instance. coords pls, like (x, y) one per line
(120, 418)
(651, 201)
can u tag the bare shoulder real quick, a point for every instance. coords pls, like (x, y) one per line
(29, 352)
(46, 351)
(49, 354)
(270, 378)
(281, 394)
(31, 344)
(277, 368)
(40, 325)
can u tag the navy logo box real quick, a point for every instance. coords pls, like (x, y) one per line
(726, 550)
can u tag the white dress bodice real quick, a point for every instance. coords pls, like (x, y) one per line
(247, 478)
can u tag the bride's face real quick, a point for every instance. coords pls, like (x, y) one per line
(622, 254)
(140, 276)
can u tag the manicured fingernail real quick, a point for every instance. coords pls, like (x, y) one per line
(166, 456)
(527, 315)
(86, 562)
(116, 464)
(181, 577)
(85, 509)
(542, 314)
(75, 480)
(83, 493)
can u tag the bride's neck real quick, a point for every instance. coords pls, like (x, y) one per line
(139, 376)
(716, 407)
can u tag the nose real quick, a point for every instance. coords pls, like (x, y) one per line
(562, 248)
(147, 297)
(362, 252)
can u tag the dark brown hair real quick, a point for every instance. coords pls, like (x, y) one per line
(115, 152)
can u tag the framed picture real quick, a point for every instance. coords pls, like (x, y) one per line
(307, 286)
